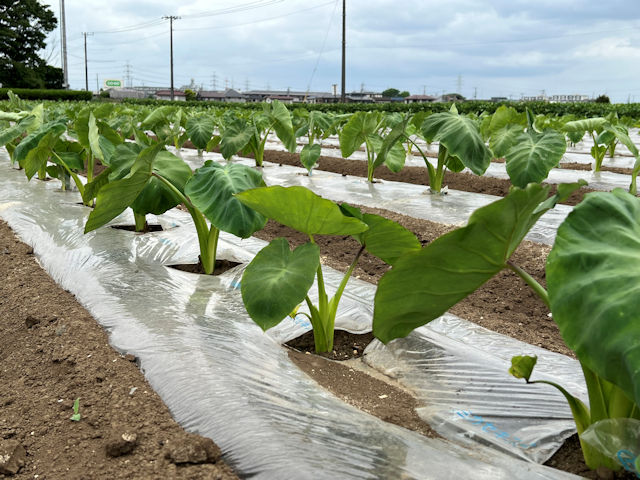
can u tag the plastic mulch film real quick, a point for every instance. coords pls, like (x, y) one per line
(598, 180)
(618, 438)
(220, 375)
(460, 371)
(455, 208)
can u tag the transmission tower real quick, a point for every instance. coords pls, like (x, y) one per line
(214, 81)
(127, 74)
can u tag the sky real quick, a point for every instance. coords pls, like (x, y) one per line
(479, 48)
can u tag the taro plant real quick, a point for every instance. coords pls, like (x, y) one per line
(592, 274)
(371, 129)
(603, 133)
(277, 280)
(159, 180)
(249, 135)
(315, 125)
(460, 144)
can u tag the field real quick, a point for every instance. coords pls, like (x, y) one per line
(436, 398)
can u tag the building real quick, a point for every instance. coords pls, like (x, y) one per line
(419, 99)
(166, 95)
(557, 98)
(229, 95)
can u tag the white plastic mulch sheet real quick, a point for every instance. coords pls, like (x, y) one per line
(217, 371)
(455, 208)
(459, 371)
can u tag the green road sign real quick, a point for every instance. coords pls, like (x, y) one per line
(113, 83)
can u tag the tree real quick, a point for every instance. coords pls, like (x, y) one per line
(603, 99)
(190, 95)
(391, 93)
(404, 94)
(24, 25)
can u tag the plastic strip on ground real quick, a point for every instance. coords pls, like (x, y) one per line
(216, 370)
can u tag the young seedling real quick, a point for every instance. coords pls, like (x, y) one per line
(277, 280)
(76, 411)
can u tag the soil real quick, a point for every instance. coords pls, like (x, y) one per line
(52, 352)
(132, 228)
(466, 182)
(220, 267)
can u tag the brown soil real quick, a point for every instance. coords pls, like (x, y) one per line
(132, 228)
(466, 182)
(220, 267)
(52, 352)
(587, 166)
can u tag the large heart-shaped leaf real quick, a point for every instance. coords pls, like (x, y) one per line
(277, 280)
(212, 189)
(533, 156)
(593, 277)
(461, 137)
(503, 139)
(281, 119)
(114, 197)
(309, 155)
(579, 127)
(301, 209)
(94, 138)
(156, 197)
(355, 131)
(200, 130)
(422, 286)
(235, 137)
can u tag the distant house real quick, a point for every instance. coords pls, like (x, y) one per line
(557, 98)
(290, 96)
(419, 99)
(166, 95)
(450, 97)
(125, 93)
(499, 99)
(229, 95)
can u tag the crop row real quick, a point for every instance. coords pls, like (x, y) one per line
(592, 271)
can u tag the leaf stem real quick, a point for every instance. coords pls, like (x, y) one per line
(532, 282)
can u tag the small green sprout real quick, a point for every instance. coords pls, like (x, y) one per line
(76, 411)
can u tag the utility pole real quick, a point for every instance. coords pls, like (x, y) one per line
(86, 69)
(171, 19)
(475, 93)
(343, 98)
(97, 84)
(127, 74)
(63, 41)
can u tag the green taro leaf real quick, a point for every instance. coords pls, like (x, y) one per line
(579, 127)
(310, 155)
(235, 137)
(123, 158)
(503, 139)
(91, 189)
(282, 125)
(384, 238)
(277, 280)
(593, 277)
(302, 210)
(200, 130)
(522, 366)
(356, 130)
(212, 189)
(32, 140)
(422, 286)
(462, 138)
(116, 196)
(533, 156)
(94, 138)
(156, 197)
(16, 130)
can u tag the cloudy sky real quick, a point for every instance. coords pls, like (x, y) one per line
(481, 48)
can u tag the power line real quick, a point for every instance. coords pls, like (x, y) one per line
(261, 20)
(235, 9)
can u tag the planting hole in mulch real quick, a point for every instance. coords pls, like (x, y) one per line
(221, 267)
(132, 228)
(354, 383)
